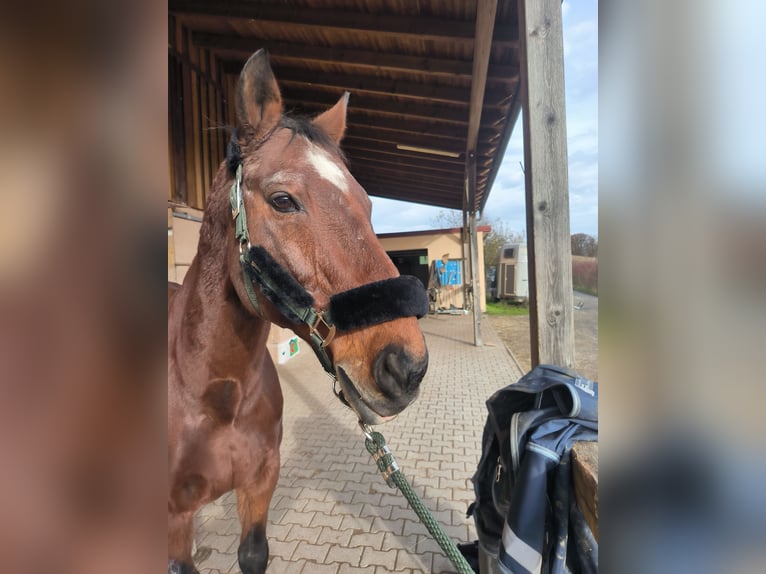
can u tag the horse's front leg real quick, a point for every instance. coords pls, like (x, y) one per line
(180, 540)
(253, 509)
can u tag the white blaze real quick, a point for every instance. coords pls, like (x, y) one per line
(327, 168)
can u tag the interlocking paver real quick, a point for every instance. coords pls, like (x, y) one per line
(297, 517)
(279, 566)
(220, 542)
(372, 557)
(332, 513)
(394, 526)
(278, 531)
(406, 558)
(321, 519)
(282, 549)
(367, 540)
(350, 556)
(311, 552)
(218, 561)
(355, 523)
(304, 533)
(318, 568)
(339, 537)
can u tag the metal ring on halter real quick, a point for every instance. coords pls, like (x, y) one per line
(367, 430)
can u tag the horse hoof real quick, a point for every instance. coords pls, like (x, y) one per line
(176, 567)
(253, 551)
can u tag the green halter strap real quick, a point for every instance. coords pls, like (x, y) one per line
(321, 328)
(356, 308)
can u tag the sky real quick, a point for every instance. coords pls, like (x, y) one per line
(506, 199)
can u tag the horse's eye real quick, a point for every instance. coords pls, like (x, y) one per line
(284, 203)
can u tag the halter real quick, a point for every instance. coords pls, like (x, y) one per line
(370, 304)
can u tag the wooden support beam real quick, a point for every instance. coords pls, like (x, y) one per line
(473, 255)
(485, 20)
(371, 84)
(585, 479)
(464, 242)
(403, 164)
(417, 187)
(171, 248)
(373, 110)
(486, 11)
(363, 148)
(417, 28)
(427, 132)
(445, 201)
(305, 99)
(423, 127)
(551, 312)
(413, 175)
(310, 101)
(351, 56)
(404, 138)
(375, 186)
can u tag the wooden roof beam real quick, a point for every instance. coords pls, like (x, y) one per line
(403, 182)
(409, 27)
(450, 201)
(302, 97)
(393, 131)
(311, 108)
(420, 126)
(413, 175)
(392, 139)
(373, 84)
(485, 23)
(352, 56)
(392, 161)
(392, 155)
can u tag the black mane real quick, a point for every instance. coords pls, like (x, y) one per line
(298, 125)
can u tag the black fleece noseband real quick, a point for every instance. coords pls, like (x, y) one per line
(369, 304)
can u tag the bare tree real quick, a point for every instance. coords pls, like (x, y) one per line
(493, 242)
(584, 244)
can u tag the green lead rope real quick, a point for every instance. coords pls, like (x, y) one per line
(381, 454)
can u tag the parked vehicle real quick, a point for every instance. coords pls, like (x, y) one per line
(512, 275)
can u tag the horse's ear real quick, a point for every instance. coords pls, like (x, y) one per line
(259, 103)
(333, 121)
(221, 400)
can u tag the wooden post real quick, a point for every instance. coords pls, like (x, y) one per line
(477, 340)
(463, 243)
(473, 251)
(171, 248)
(551, 312)
(486, 11)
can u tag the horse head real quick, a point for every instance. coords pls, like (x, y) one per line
(306, 226)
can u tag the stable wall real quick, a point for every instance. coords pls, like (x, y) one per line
(438, 242)
(183, 236)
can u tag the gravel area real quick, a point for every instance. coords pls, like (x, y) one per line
(514, 332)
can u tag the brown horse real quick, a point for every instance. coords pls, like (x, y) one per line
(299, 252)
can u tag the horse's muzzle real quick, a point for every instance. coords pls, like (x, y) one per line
(398, 374)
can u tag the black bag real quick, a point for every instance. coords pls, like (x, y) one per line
(524, 511)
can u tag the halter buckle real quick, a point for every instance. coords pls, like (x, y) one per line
(236, 193)
(314, 329)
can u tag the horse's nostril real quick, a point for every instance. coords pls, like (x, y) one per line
(397, 373)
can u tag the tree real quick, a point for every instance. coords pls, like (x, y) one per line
(585, 245)
(493, 241)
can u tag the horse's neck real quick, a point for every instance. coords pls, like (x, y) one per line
(217, 336)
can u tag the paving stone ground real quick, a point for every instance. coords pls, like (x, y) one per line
(332, 512)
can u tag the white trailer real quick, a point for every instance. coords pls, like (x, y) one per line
(512, 276)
